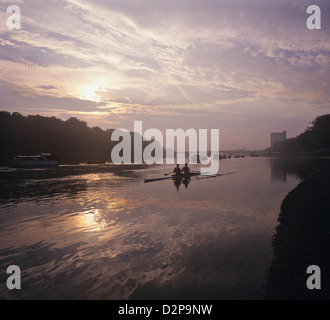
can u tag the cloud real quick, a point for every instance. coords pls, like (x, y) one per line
(212, 59)
(18, 98)
(47, 87)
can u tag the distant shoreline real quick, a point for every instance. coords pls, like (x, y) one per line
(307, 157)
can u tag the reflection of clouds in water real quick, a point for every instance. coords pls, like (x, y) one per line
(215, 269)
(117, 238)
(153, 245)
(163, 248)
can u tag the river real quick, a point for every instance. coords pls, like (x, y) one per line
(100, 232)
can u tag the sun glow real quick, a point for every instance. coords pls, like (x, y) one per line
(91, 92)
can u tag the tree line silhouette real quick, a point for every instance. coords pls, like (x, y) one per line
(316, 138)
(72, 141)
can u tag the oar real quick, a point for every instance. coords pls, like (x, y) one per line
(166, 174)
(217, 175)
(207, 177)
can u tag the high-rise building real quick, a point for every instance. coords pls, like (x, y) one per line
(277, 137)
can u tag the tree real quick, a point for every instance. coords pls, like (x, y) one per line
(315, 137)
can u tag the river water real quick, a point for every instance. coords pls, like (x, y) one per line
(100, 232)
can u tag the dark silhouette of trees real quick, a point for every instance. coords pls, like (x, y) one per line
(316, 137)
(72, 141)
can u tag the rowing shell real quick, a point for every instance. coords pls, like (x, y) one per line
(182, 176)
(193, 174)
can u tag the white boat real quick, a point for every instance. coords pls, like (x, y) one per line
(40, 160)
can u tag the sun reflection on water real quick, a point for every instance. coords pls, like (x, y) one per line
(91, 220)
(114, 237)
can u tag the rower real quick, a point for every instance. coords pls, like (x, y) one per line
(177, 170)
(186, 169)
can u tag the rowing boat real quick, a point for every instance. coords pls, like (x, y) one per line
(174, 177)
(191, 174)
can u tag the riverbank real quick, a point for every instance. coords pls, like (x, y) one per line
(302, 239)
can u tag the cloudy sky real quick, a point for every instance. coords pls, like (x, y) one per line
(246, 67)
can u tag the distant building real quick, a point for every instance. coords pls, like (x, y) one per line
(277, 137)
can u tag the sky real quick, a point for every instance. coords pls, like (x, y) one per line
(245, 67)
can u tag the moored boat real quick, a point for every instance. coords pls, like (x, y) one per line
(40, 160)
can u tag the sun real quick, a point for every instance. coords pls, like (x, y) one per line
(91, 92)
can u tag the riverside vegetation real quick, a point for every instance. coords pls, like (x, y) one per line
(72, 141)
